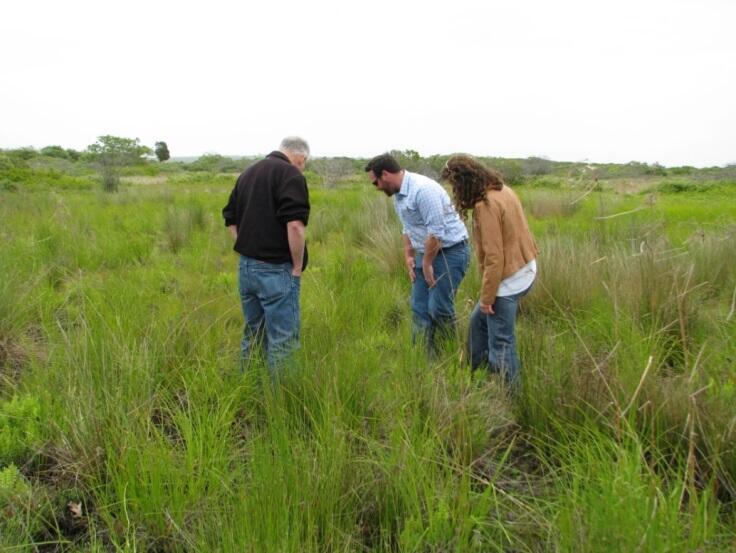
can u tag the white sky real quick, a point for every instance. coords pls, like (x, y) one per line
(568, 79)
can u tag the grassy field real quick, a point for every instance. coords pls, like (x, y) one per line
(125, 426)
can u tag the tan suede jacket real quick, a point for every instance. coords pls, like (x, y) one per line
(502, 240)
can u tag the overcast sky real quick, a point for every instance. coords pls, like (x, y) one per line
(569, 80)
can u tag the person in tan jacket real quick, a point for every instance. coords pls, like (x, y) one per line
(506, 254)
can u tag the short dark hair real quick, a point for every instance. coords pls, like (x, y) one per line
(384, 162)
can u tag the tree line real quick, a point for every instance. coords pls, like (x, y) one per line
(110, 155)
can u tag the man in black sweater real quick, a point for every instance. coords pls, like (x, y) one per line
(266, 214)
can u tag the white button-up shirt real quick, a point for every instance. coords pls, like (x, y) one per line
(425, 208)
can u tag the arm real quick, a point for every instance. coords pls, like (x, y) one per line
(490, 226)
(409, 257)
(292, 209)
(431, 248)
(230, 213)
(429, 203)
(296, 231)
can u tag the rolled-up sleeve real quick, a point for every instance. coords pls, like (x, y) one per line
(429, 204)
(292, 203)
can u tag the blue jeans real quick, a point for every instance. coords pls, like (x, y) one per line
(491, 338)
(434, 308)
(269, 295)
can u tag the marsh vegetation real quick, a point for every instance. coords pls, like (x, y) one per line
(125, 425)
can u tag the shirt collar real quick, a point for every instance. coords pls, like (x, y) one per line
(404, 190)
(280, 155)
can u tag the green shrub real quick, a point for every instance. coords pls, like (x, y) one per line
(22, 514)
(18, 175)
(23, 153)
(8, 162)
(546, 182)
(12, 484)
(216, 163)
(684, 170)
(8, 186)
(675, 187)
(20, 428)
(14, 495)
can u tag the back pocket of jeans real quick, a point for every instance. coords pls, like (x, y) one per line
(274, 283)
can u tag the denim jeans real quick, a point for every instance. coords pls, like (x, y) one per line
(433, 309)
(491, 338)
(269, 295)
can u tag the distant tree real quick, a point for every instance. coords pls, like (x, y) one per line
(73, 154)
(412, 161)
(537, 166)
(633, 169)
(118, 150)
(55, 151)
(437, 162)
(23, 153)
(511, 169)
(207, 162)
(729, 171)
(162, 151)
(216, 163)
(656, 169)
(113, 152)
(408, 159)
(332, 169)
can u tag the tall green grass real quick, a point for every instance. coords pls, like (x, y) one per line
(119, 315)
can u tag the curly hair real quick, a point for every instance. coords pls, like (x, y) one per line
(470, 180)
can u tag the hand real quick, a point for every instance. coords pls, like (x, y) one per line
(410, 264)
(429, 274)
(486, 309)
(296, 273)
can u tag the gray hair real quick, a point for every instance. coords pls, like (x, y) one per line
(295, 145)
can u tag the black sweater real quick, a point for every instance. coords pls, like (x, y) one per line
(266, 196)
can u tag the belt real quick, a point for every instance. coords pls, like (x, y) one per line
(463, 242)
